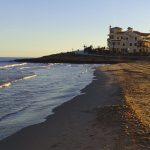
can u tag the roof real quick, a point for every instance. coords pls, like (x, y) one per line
(116, 28)
(142, 34)
(136, 32)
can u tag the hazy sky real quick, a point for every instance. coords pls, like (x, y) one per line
(41, 27)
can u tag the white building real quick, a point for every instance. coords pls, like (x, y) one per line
(128, 41)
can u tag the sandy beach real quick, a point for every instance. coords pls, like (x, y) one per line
(98, 119)
(87, 122)
(134, 79)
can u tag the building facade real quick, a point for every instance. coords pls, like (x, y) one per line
(128, 41)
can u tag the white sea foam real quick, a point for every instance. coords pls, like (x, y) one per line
(8, 84)
(12, 65)
(36, 67)
(28, 77)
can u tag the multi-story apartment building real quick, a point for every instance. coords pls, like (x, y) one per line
(129, 41)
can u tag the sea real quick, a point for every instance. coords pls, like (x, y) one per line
(30, 91)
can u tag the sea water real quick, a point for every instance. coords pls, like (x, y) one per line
(29, 92)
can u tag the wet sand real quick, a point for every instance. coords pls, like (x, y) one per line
(90, 121)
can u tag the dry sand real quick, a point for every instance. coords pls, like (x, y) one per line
(134, 79)
(87, 122)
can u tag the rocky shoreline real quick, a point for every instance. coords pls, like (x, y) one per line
(84, 59)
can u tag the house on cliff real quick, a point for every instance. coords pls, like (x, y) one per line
(128, 41)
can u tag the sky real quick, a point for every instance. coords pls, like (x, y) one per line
(32, 28)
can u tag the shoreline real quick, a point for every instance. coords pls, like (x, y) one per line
(71, 57)
(74, 124)
(100, 118)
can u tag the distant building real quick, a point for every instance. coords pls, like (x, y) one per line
(129, 41)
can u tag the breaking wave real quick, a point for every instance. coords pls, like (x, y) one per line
(8, 84)
(12, 65)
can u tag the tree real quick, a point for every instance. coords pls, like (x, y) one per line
(88, 49)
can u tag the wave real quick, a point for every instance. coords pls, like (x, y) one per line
(12, 65)
(28, 77)
(14, 113)
(36, 67)
(8, 84)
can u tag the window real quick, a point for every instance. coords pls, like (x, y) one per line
(117, 38)
(135, 44)
(123, 44)
(139, 44)
(135, 38)
(114, 43)
(121, 37)
(126, 38)
(111, 37)
(130, 44)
